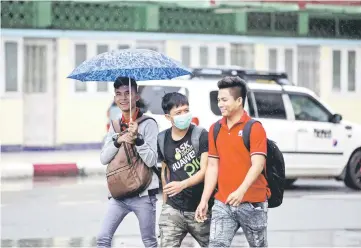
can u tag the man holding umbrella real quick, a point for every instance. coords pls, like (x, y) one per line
(144, 137)
(125, 67)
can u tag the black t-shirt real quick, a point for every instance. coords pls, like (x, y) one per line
(183, 163)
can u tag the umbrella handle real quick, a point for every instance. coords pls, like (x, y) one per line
(130, 100)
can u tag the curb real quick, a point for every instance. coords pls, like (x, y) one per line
(29, 170)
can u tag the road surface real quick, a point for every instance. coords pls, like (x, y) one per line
(66, 212)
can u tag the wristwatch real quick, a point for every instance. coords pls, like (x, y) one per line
(139, 140)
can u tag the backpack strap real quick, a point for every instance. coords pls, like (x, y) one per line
(116, 125)
(216, 129)
(196, 134)
(144, 118)
(161, 140)
(246, 134)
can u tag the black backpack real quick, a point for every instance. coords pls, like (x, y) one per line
(275, 165)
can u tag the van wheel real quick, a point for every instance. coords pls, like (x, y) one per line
(290, 182)
(353, 172)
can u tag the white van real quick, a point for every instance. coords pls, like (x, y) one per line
(315, 141)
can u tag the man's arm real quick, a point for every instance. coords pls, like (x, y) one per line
(147, 147)
(258, 162)
(109, 149)
(164, 167)
(211, 177)
(258, 153)
(199, 176)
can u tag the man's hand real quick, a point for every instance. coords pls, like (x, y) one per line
(133, 128)
(201, 212)
(173, 188)
(127, 137)
(235, 198)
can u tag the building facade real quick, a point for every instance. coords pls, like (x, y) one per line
(40, 107)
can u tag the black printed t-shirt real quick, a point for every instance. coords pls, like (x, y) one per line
(183, 163)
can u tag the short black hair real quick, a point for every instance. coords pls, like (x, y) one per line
(237, 86)
(173, 99)
(124, 81)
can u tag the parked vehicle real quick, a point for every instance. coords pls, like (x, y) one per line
(315, 141)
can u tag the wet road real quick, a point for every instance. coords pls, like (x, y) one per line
(67, 212)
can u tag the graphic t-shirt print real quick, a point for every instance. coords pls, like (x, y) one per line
(185, 159)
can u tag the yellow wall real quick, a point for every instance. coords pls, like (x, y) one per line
(348, 105)
(11, 121)
(173, 49)
(81, 118)
(259, 52)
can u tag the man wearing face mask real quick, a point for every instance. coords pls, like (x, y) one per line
(183, 151)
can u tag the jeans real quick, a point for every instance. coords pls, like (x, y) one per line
(175, 224)
(143, 207)
(226, 220)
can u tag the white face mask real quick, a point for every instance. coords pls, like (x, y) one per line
(182, 121)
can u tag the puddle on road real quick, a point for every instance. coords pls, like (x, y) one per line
(294, 238)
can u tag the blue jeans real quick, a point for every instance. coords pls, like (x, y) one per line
(143, 207)
(226, 220)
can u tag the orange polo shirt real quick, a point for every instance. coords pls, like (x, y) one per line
(235, 159)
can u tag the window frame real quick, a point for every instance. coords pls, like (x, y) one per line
(20, 68)
(92, 45)
(281, 60)
(281, 93)
(317, 102)
(344, 71)
(249, 48)
(212, 52)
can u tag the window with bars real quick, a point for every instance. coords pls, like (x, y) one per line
(272, 59)
(351, 71)
(35, 70)
(80, 56)
(221, 56)
(102, 86)
(203, 56)
(336, 70)
(242, 55)
(344, 70)
(186, 56)
(308, 65)
(11, 66)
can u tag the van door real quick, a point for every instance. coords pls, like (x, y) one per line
(320, 142)
(272, 113)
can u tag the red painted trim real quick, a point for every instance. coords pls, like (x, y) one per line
(303, 3)
(70, 169)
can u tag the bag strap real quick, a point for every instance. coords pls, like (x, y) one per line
(216, 129)
(196, 134)
(144, 118)
(161, 140)
(116, 125)
(246, 134)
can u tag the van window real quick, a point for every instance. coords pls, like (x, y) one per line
(308, 109)
(213, 98)
(270, 105)
(152, 96)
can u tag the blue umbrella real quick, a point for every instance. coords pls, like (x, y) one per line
(139, 64)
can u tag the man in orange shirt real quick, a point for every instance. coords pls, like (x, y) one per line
(241, 200)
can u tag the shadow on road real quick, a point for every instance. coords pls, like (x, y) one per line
(279, 238)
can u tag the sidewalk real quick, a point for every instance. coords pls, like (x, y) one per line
(51, 163)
